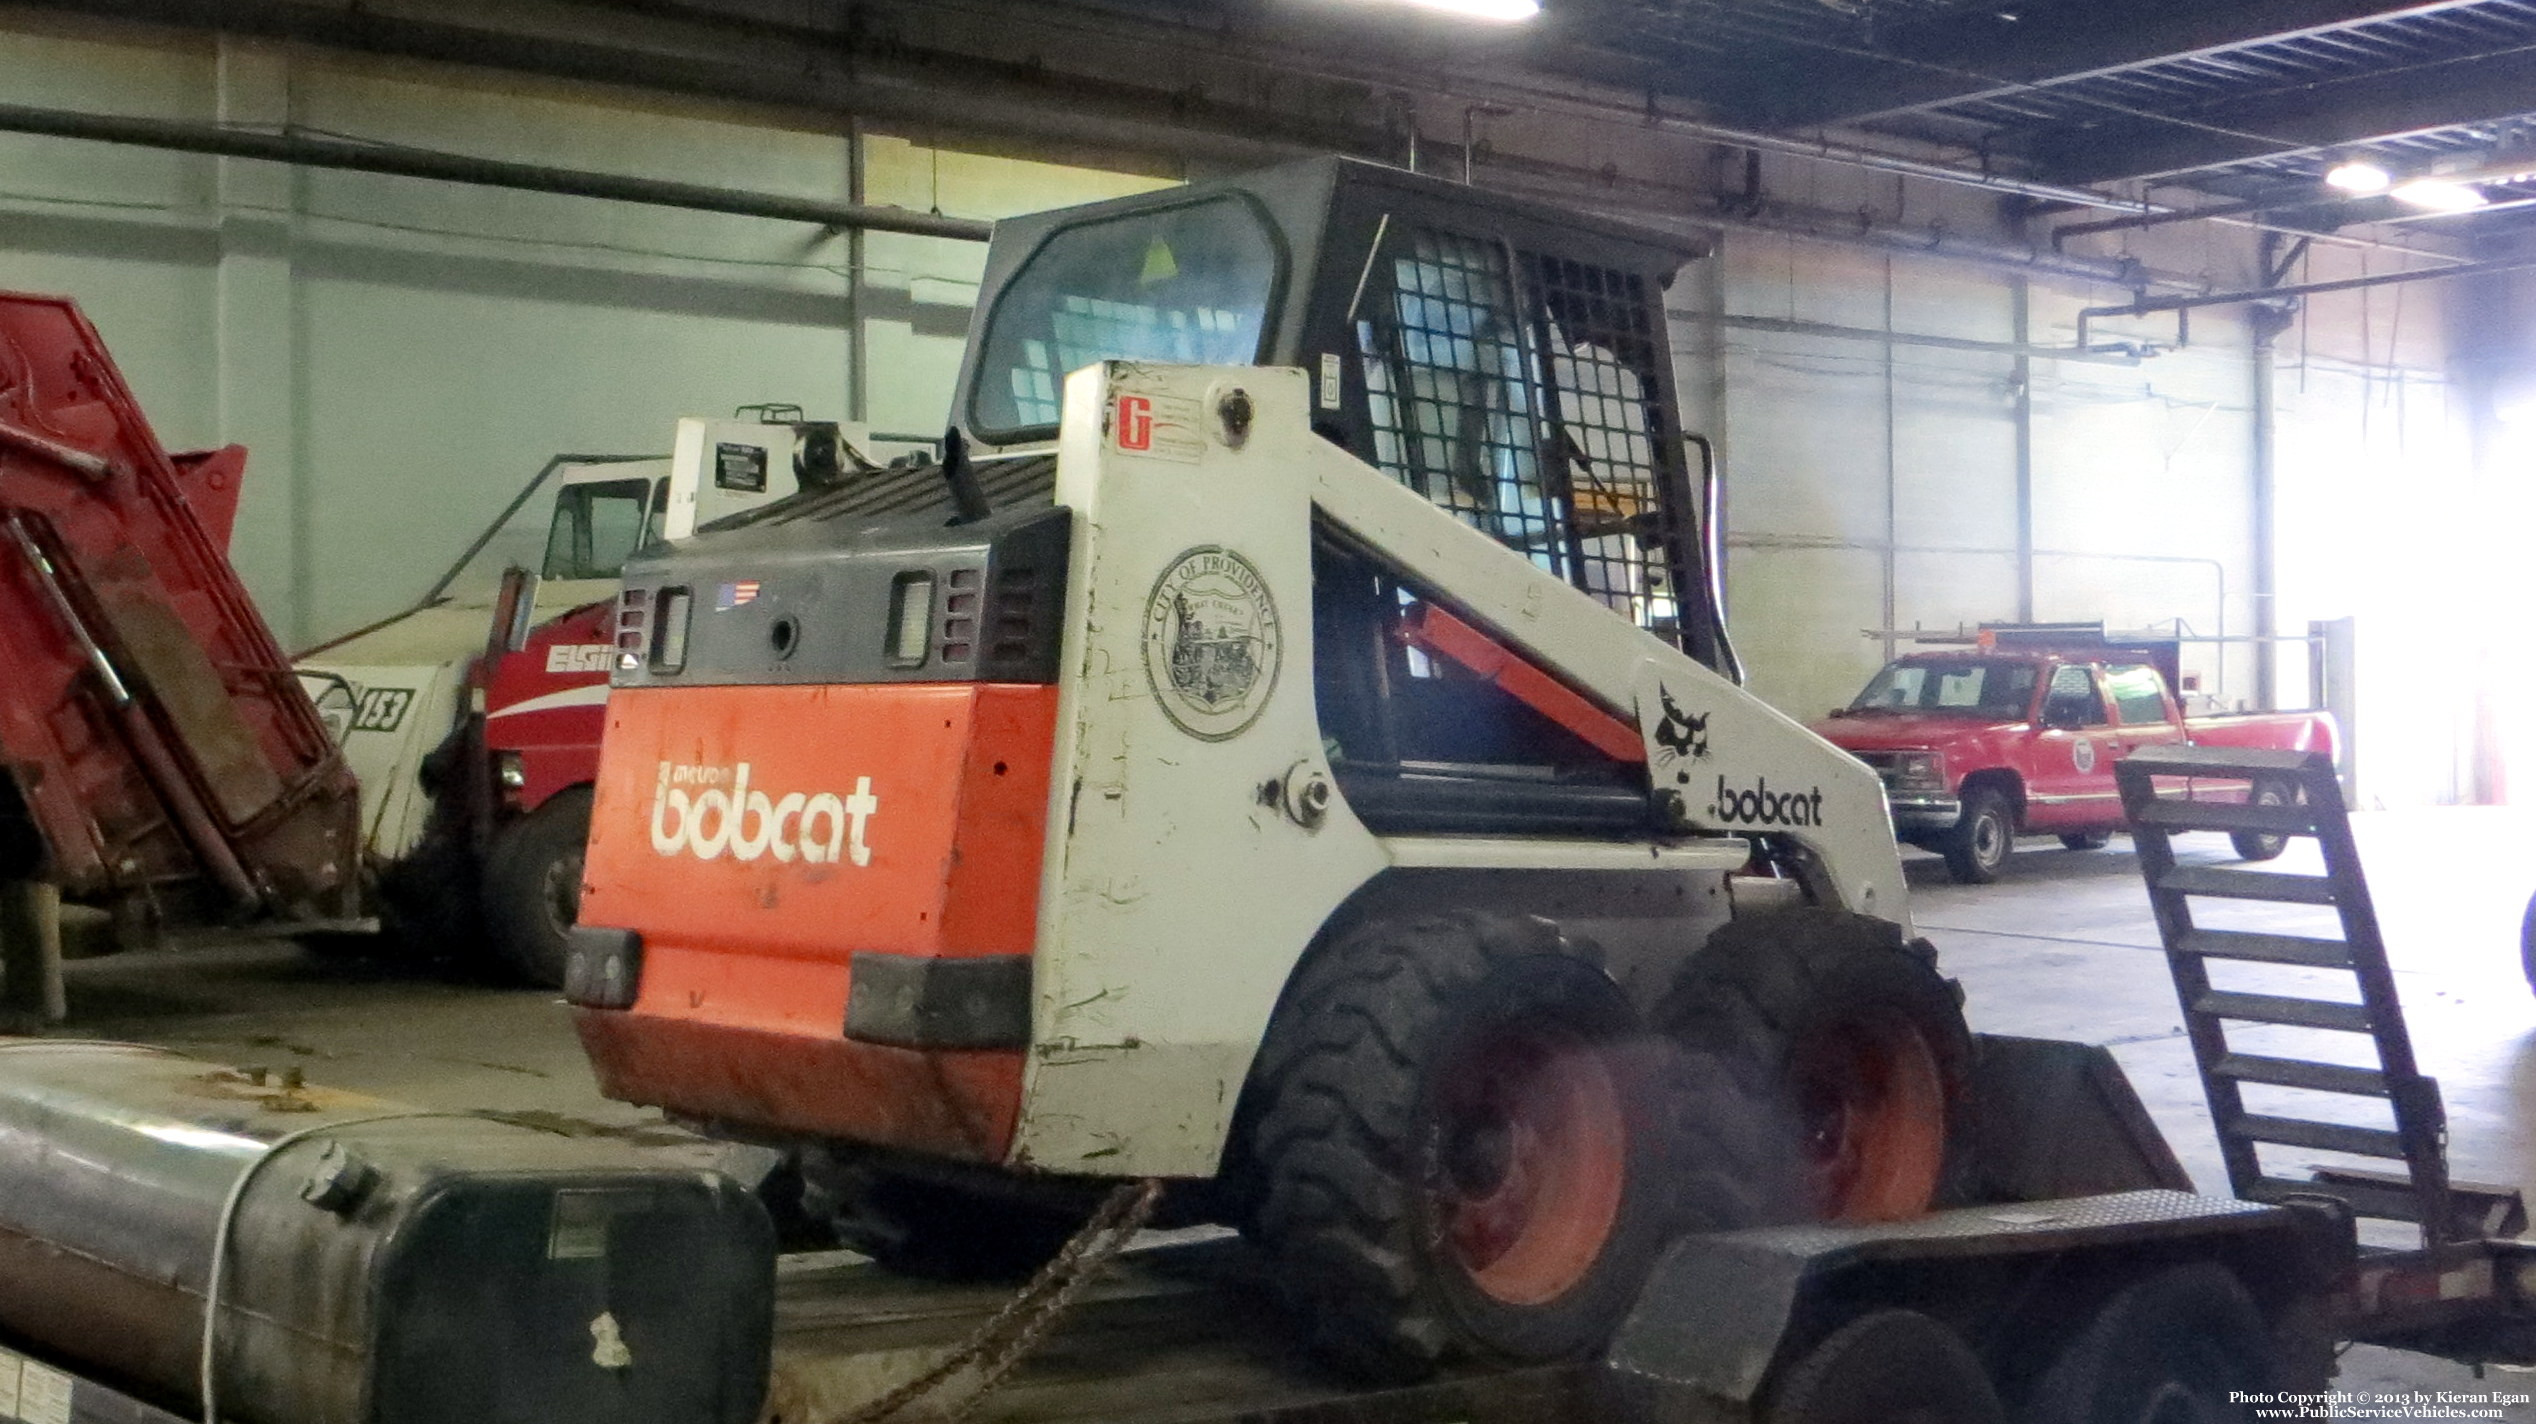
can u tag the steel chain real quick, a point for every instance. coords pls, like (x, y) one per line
(1017, 1328)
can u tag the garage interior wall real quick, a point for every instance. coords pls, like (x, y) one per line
(400, 356)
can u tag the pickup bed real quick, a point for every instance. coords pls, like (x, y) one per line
(1979, 746)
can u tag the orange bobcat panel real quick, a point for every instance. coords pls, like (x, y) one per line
(758, 838)
(816, 822)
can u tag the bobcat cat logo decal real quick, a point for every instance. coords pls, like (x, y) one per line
(1681, 733)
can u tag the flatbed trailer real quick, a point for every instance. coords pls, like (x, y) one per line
(2072, 1218)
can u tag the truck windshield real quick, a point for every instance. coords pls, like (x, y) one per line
(1997, 691)
(1187, 284)
(597, 524)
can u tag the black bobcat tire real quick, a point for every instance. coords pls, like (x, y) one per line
(1834, 1015)
(2087, 840)
(532, 886)
(2264, 845)
(1888, 1367)
(2170, 1349)
(1984, 835)
(929, 1229)
(1451, 1152)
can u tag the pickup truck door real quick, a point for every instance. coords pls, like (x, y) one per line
(2144, 713)
(2069, 772)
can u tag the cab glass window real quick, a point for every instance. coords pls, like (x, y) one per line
(2139, 694)
(1991, 690)
(597, 525)
(2073, 700)
(1188, 285)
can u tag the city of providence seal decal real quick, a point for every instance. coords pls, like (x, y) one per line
(1211, 643)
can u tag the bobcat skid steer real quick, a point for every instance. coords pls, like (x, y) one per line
(1296, 756)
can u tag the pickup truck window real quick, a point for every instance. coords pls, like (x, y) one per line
(2073, 700)
(1994, 691)
(2139, 694)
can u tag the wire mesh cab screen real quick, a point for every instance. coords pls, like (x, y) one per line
(1520, 392)
(1190, 284)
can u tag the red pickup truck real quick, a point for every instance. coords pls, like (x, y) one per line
(1980, 745)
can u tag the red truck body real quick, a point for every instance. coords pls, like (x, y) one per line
(1978, 745)
(154, 745)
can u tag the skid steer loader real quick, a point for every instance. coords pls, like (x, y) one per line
(1296, 755)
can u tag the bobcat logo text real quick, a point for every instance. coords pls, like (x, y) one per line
(707, 811)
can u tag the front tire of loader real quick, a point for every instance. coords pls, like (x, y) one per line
(532, 886)
(1454, 1147)
(1837, 1016)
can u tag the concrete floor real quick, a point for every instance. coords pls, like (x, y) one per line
(2062, 946)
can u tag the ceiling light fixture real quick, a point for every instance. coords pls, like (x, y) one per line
(2358, 175)
(2441, 196)
(1494, 11)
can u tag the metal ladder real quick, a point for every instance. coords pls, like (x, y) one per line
(2421, 1191)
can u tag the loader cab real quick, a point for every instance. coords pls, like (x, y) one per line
(1506, 359)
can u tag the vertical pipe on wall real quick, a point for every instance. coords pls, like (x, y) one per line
(1892, 487)
(2266, 324)
(857, 339)
(2021, 378)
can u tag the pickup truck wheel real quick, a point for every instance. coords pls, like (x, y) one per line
(2264, 845)
(1982, 838)
(1452, 1150)
(1834, 1015)
(2171, 1349)
(532, 886)
(1888, 1367)
(2087, 840)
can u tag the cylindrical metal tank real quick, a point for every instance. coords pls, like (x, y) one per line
(384, 1268)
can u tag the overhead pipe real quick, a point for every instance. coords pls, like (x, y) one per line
(310, 151)
(2146, 306)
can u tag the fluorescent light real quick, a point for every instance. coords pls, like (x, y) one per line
(1497, 11)
(2441, 196)
(2359, 176)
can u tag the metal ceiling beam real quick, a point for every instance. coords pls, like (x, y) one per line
(1982, 55)
(2343, 113)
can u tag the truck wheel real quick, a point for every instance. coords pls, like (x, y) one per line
(2527, 943)
(2170, 1349)
(2087, 840)
(1835, 1015)
(532, 886)
(1888, 1367)
(2264, 845)
(1450, 1153)
(932, 1230)
(1983, 836)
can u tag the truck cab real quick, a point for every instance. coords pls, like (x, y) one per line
(1979, 744)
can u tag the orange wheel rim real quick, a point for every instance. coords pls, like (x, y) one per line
(1873, 1109)
(1535, 1148)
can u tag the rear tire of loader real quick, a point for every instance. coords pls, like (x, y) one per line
(1835, 1015)
(1459, 1147)
(532, 886)
(2087, 840)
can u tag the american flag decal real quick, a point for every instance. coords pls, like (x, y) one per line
(735, 594)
